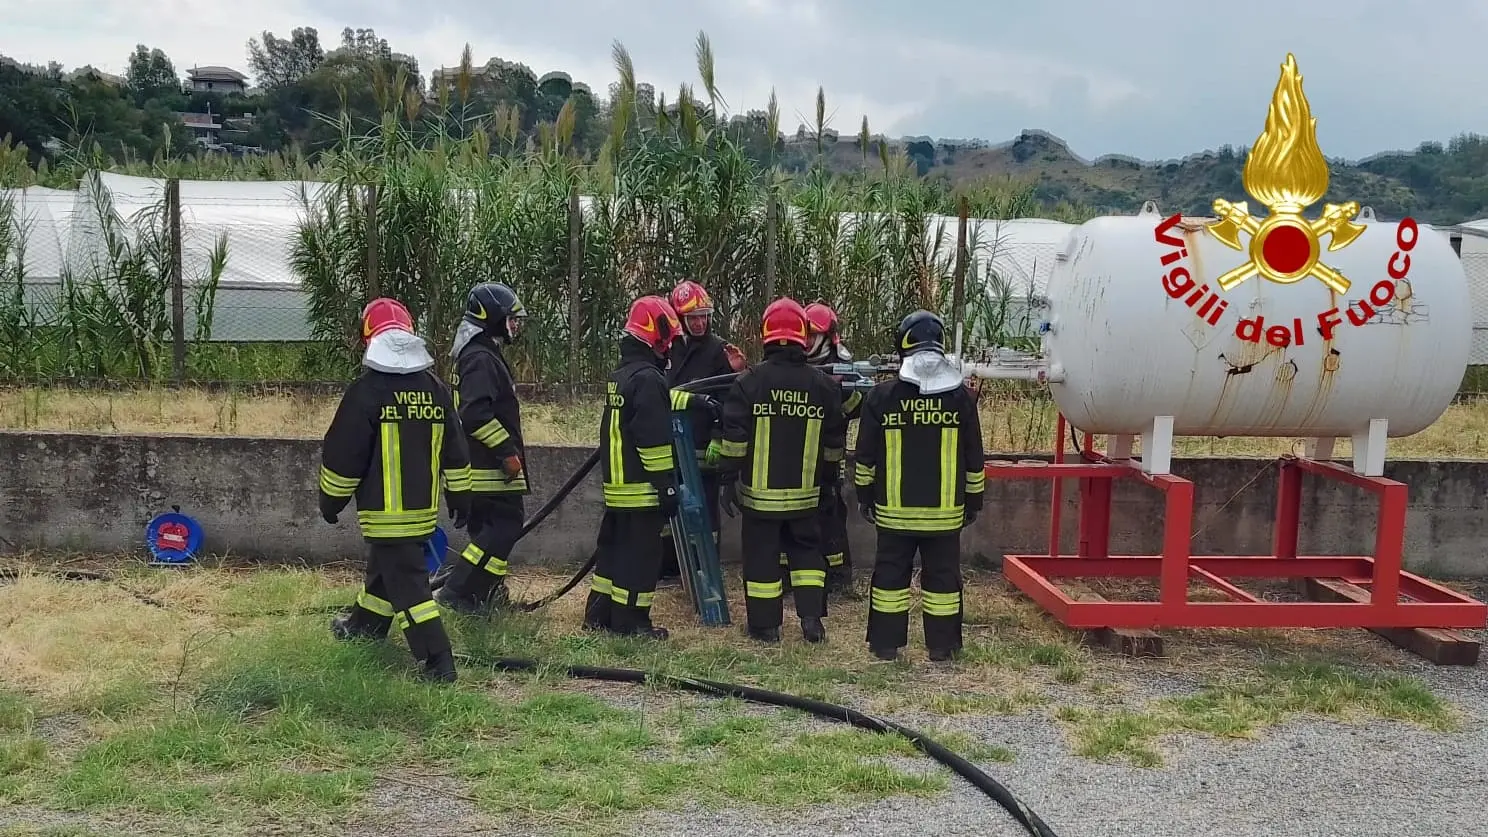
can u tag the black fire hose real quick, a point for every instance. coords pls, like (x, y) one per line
(1025, 816)
(706, 386)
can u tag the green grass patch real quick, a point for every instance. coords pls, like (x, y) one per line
(1242, 707)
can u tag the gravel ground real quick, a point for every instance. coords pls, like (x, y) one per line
(1305, 778)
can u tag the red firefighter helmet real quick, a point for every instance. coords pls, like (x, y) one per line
(822, 320)
(385, 314)
(653, 322)
(692, 303)
(784, 321)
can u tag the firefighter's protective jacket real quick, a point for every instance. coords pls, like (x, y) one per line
(919, 457)
(486, 397)
(394, 439)
(698, 358)
(635, 430)
(783, 432)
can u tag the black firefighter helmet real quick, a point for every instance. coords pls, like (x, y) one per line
(494, 307)
(920, 331)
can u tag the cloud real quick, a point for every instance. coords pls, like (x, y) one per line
(1142, 77)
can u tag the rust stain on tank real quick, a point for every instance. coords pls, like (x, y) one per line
(1327, 365)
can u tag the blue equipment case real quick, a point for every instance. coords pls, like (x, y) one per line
(692, 532)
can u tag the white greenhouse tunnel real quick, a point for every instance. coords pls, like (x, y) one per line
(260, 298)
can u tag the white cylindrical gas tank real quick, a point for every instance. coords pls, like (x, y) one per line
(1137, 338)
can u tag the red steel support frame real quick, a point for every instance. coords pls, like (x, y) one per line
(1398, 599)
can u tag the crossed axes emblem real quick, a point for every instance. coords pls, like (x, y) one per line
(1336, 222)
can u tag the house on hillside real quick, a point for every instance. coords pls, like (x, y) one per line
(204, 127)
(215, 80)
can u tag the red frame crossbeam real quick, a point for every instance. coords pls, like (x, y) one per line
(1398, 599)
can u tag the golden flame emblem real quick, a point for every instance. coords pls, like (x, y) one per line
(1287, 173)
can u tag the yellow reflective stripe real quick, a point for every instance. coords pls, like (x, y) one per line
(630, 495)
(600, 585)
(733, 449)
(949, 438)
(644, 599)
(759, 475)
(374, 604)
(889, 601)
(864, 474)
(919, 519)
(335, 485)
(894, 466)
(493, 565)
(940, 604)
(491, 434)
(657, 458)
(617, 449)
(420, 613)
(784, 559)
(764, 589)
(407, 524)
(680, 399)
(392, 468)
(488, 481)
(976, 482)
(808, 578)
(619, 595)
(779, 499)
(835, 559)
(458, 479)
(833, 454)
(436, 441)
(853, 400)
(810, 451)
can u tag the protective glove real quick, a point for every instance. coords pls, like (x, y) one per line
(973, 508)
(329, 509)
(669, 499)
(832, 493)
(866, 510)
(512, 466)
(713, 453)
(459, 508)
(728, 498)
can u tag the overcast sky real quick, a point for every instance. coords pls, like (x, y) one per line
(1154, 80)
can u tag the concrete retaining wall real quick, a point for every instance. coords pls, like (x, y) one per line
(256, 498)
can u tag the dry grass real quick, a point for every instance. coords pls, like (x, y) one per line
(1009, 424)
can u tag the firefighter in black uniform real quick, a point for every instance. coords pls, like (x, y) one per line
(919, 479)
(486, 396)
(395, 437)
(826, 349)
(783, 434)
(639, 473)
(699, 354)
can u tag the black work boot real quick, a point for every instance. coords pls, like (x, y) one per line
(770, 636)
(943, 655)
(888, 655)
(649, 632)
(812, 630)
(448, 599)
(439, 668)
(348, 628)
(597, 612)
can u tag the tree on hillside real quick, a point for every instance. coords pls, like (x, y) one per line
(277, 62)
(364, 43)
(151, 75)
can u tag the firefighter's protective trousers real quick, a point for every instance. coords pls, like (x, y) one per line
(495, 527)
(395, 588)
(940, 590)
(624, 581)
(763, 540)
